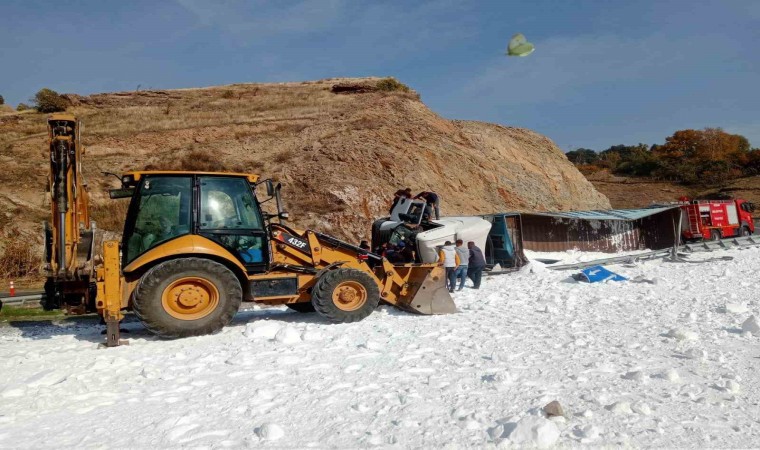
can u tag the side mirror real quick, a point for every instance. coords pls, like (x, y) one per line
(270, 188)
(121, 193)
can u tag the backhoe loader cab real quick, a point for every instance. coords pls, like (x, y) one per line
(195, 245)
(220, 208)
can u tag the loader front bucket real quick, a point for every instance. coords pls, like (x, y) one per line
(424, 290)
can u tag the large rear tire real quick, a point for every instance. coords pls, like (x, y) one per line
(187, 297)
(345, 295)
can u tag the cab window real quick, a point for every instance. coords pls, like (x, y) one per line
(228, 204)
(230, 215)
(162, 213)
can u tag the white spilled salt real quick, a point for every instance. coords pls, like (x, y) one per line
(288, 335)
(670, 375)
(683, 335)
(635, 375)
(732, 386)
(534, 431)
(695, 353)
(262, 329)
(270, 432)
(751, 326)
(641, 408)
(312, 335)
(620, 408)
(736, 308)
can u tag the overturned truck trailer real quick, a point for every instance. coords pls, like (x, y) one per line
(607, 231)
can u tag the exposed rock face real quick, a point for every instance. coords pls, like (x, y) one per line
(340, 155)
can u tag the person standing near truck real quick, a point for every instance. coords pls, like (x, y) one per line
(477, 263)
(464, 258)
(450, 259)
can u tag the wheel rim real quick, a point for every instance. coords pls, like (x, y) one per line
(349, 296)
(190, 298)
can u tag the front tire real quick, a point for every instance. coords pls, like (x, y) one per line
(345, 295)
(744, 231)
(715, 235)
(187, 297)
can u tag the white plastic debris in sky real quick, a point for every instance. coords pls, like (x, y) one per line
(519, 46)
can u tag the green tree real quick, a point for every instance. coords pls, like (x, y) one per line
(702, 156)
(2, 100)
(48, 101)
(581, 156)
(22, 107)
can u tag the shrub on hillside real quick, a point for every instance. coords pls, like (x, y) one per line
(20, 258)
(2, 100)
(391, 84)
(22, 107)
(48, 101)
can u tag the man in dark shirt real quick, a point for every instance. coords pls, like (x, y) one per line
(433, 202)
(476, 264)
(401, 193)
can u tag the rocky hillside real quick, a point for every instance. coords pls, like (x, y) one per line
(340, 153)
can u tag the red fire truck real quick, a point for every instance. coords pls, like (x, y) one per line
(716, 219)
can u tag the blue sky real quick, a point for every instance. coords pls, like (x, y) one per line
(603, 73)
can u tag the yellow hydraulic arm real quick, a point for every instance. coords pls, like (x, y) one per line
(69, 234)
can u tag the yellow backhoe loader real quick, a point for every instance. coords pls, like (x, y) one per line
(69, 235)
(197, 244)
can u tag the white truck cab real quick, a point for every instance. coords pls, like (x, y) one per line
(410, 222)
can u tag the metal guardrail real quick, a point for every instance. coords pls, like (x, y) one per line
(615, 259)
(22, 299)
(723, 244)
(683, 250)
